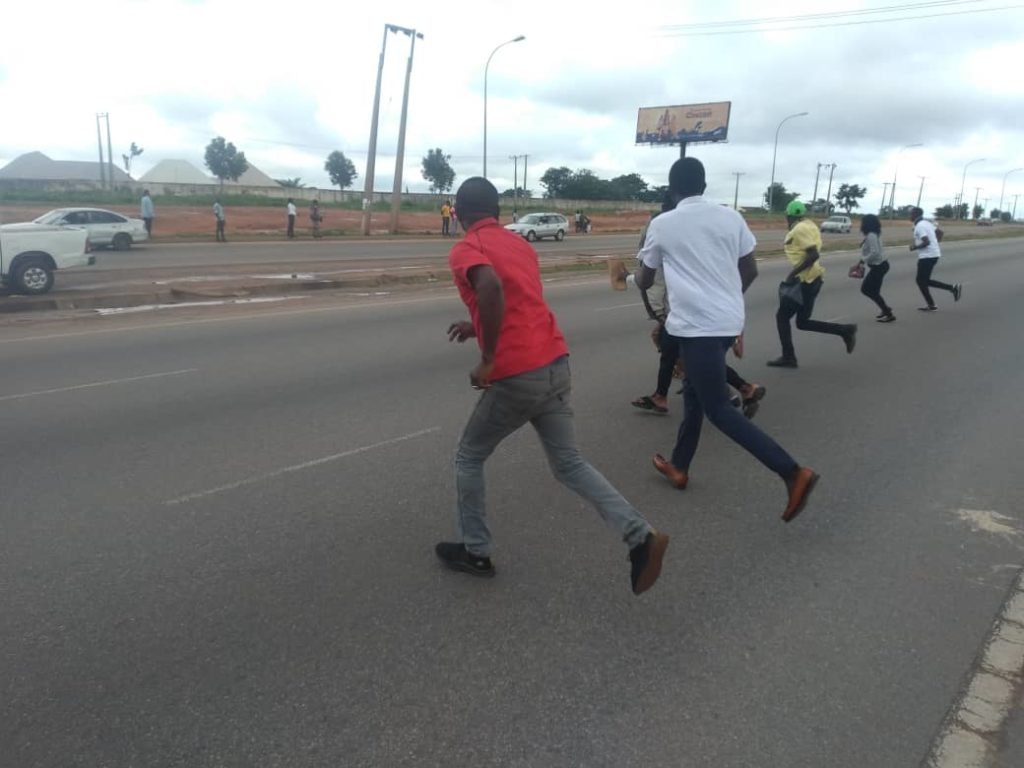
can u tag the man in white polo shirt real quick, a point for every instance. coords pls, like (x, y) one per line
(926, 243)
(707, 254)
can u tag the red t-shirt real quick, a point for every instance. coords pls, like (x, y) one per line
(529, 332)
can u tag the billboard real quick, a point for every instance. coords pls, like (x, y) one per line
(689, 123)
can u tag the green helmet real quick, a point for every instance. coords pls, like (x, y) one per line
(796, 209)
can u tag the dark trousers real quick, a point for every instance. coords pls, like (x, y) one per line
(149, 225)
(803, 318)
(872, 285)
(445, 224)
(924, 280)
(220, 231)
(704, 393)
(291, 225)
(669, 346)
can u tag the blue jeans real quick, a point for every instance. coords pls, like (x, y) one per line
(704, 392)
(540, 397)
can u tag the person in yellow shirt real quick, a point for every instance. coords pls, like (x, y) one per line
(446, 217)
(801, 287)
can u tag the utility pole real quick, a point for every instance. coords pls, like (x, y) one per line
(368, 186)
(515, 185)
(977, 190)
(828, 195)
(99, 143)
(396, 193)
(110, 153)
(526, 159)
(736, 195)
(920, 191)
(1013, 216)
(885, 194)
(814, 197)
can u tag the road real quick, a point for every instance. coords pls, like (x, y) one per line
(217, 540)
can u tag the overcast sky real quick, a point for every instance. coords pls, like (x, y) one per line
(289, 82)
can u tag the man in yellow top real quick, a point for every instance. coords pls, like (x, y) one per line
(801, 287)
(446, 217)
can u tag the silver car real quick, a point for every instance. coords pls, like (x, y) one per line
(105, 228)
(535, 226)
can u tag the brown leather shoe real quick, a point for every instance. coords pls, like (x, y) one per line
(800, 485)
(675, 476)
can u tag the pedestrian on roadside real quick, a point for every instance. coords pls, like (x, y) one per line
(579, 221)
(707, 254)
(446, 214)
(926, 243)
(218, 212)
(292, 213)
(455, 221)
(524, 376)
(148, 212)
(316, 216)
(873, 257)
(801, 287)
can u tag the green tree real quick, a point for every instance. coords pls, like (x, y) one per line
(978, 211)
(225, 161)
(781, 197)
(584, 184)
(654, 194)
(995, 214)
(628, 187)
(295, 183)
(555, 181)
(340, 169)
(438, 171)
(848, 197)
(946, 211)
(1006, 216)
(518, 192)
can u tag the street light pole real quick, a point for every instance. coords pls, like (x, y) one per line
(371, 155)
(1003, 190)
(771, 185)
(486, 68)
(736, 196)
(892, 192)
(396, 192)
(920, 191)
(963, 180)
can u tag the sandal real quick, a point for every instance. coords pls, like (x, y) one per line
(646, 403)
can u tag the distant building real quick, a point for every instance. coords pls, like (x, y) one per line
(175, 172)
(35, 166)
(254, 177)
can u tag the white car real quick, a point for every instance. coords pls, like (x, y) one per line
(841, 224)
(105, 228)
(31, 253)
(535, 226)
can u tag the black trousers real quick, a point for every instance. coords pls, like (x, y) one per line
(220, 230)
(445, 224)
(803, 318)
(149, 225)
(924, 280)
(291, 225)
(872, 285)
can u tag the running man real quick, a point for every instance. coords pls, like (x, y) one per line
(926, 243)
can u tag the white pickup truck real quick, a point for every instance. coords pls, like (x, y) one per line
(31, 253)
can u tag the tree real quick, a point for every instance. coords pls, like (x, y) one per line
(518, 192)
(1006, 216)
(848, 196)
(628, 187)
(340, 169)
(225, 161)
(133, 152)
(295, 183)
(438, 170)
(584, 184)
(995, 214)
(781, 197)
(555, 180)
(978, 211)
(654, 194)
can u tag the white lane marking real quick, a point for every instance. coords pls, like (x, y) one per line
(619, 306)
(449, 296)
(970, 734)
(298, 467)
(105, 312)
(94, 384)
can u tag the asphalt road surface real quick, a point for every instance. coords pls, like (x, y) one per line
(217, 533)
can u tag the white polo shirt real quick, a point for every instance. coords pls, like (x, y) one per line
(923, 229)
(698, 246)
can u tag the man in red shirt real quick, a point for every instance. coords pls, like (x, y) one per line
(524, 374)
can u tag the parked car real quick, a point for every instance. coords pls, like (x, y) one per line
(841, 224)
(31, 253)
(106, 229)
(535, 226)
(984, 222)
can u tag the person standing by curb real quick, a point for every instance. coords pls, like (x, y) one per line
(524, 377)
(446, 218)
(218, 212)
(707, 254)
(316, 217)
(878, 266)
(801, 287)
(147, 211)
(926, 243)
(292, 213)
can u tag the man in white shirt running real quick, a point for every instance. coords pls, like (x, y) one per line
(926, 243)
(707, 254)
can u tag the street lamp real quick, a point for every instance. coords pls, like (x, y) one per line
(486, 67)
(1003, 191)
(771, 186)
(963, 179)
(892, 194)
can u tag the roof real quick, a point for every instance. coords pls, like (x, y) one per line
(175, 172)
(254, 177)
(38, 167)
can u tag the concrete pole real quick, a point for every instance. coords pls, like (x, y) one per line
(885, 194)
(814, 197)
(515, 183)
(396, 193)
(1002, 192)
(920, 191)
(828, 195)
(99, 143)
(487, 67)
(736, 194)
(963, 180)
(110, 153)
(371, 155)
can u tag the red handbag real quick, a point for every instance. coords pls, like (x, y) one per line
(857, 271)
